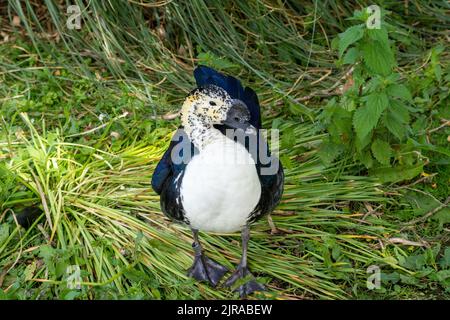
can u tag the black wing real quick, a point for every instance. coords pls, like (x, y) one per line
(168, 174)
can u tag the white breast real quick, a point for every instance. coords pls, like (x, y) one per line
(220, 187)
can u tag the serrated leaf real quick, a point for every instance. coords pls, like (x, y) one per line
(60, 268)
(349, 36)
(377, 101)
(443, 275)
(393, 277)
(380, 35)
(396, 174)
(340, 127)
(393, 77)
(443, 216)
(363, 122)
(399, 111)
(409, 280)
(329, 151)
(397, 128)
(373, 85)
(351, 56)
(366, 117)
(361, 144)
(46, 252)
(349, 104)
(378, 58)
(382, 151)
(399, 91)
(414, 262)
(366, 159)
(335, 43)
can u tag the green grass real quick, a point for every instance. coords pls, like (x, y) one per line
(79, 139)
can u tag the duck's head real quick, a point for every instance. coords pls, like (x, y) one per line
(211, 105)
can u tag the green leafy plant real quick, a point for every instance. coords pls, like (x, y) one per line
(371, 119)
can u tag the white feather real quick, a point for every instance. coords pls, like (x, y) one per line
(220, 187)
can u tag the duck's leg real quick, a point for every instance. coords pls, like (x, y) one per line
(204, 268)
(243, 272)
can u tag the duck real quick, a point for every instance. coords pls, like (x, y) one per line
(218, 174)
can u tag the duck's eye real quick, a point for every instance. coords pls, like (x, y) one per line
(212, 103)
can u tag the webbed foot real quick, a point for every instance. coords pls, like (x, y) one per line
(206, 269)
(247, 288)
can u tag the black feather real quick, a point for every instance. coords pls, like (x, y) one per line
(28, 216)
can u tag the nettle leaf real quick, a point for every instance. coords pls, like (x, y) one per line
(46, 252)
(399, 111)
(335, 43)
(393, 78)
(378, 101)
(351, 56)
(399, 91)
(361, 119)
(340, 127)
(380, 35)
(359, 15)
(397, 128)
(420, 124)
(329, 151)
(366, 117)
(373, 84)
(366, 159)
(361, 144)
(382, 151)
(443, 216)
(378, 57)
(350, 36)
(396, 174)
(348, 103)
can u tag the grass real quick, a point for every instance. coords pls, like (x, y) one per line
(81, 132)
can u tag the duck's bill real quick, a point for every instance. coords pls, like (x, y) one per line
(238, 117)
(244, 126)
